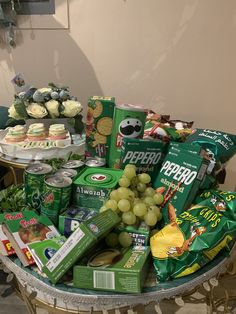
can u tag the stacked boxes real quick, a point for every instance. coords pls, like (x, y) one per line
(82, 239)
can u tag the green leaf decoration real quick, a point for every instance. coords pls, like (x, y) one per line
(10, 122)
(13, 122)
(71, 121)
(61, 108)
(12, 198)
(79, 125)
(20, 108)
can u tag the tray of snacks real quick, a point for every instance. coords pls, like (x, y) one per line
(149, 223)
(36, 142)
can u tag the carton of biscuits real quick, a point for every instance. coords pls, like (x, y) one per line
(99, 126)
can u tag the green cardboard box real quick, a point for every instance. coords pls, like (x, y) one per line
(194, 149)
(72, 218)
(181, 175)
(42, 251)
(99, 125)
(95, 184)
(139, 232)
(146, 155)
(82, 239)
(114, 270)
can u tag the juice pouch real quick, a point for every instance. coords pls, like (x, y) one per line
(220, 146)
(191, 241)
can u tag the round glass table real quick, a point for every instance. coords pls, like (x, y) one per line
(37, 291)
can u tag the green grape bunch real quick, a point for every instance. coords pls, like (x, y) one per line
(134, 201)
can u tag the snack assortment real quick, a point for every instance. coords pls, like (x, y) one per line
(146, 192)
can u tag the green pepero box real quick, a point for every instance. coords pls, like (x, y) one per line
(181, 176)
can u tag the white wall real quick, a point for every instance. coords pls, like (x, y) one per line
(174, 56)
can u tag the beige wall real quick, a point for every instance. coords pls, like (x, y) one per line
(174, 56)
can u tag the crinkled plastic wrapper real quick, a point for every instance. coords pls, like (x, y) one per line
(161, 127)
(195, 238)
(220, 146)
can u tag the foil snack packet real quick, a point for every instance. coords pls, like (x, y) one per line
(193, 239)
(220, 146)
(163, 128)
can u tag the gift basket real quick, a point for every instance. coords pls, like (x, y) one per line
(139, 218)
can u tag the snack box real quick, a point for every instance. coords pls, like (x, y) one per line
(42, 251)
(81, 240)
(139, 232)
(114, 270)
(22, 228)
(146, 155)
(194, 149)
(209, 180)
(99, 125)
(5, 245)
(72, 218)
(181, 176)
(93, 186)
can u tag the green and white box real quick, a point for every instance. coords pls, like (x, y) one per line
(181, 175)
(42, 251)
(82, 239)
(99, 124)
(72, 218)
(146, 155)
(114, 270)
(93, 186)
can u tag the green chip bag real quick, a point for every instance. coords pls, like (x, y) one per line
(195, 238)
(219, 145)
(223, 202)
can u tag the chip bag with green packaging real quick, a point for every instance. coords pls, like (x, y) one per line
(223, 202)
(193, 239)
(220, 146)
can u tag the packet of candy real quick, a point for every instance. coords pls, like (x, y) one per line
(194, 238)
(177, 124)
(164, 129)
(153, 120)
